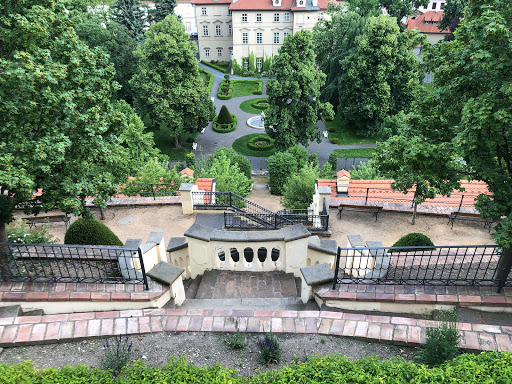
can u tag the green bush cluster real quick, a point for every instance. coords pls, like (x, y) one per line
(261, 105)
(221, 66)
(19, 232)
(226, 86)
(262, 138)
(412, 239)
(270, 351)
(259, 91)
(334, 140)
(224, 117)
(225, 128)
(487, 367)
(210, 79)
(90, 232)
(284, 164)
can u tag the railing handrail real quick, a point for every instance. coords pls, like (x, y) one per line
(109, 247)
(432, 247)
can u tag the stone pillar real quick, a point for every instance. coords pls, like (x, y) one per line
(158, 239)
(187, 205)
(324, 194)
(342, 181)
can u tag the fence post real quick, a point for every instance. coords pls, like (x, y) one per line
(337, 268)
(460, 205)
(153, 190)
(366, 201)
(144, 277)
(503, 268)
(230, 200)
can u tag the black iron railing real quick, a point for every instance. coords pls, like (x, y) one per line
(150, 189)
(71, 264)
(248, 215)
(449, 265)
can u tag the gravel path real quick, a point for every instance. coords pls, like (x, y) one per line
(202, 349)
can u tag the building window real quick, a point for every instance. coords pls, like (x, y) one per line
(276, 37)
(301, 2)
(244, 17)
(245, 38)
(287, 17)
(188, 26)
(230, 12)
(217, 30)
(230, 29)
(203, 11)
(276, 16)
(259, 37)
(219, 52)
(205, 30)
(258, 17)
(246, 63)
(206, 52)
(285, 34)
(434, 5)
(259, 63)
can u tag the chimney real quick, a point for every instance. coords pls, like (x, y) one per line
(315, 3)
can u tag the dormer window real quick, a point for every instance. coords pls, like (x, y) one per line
(277, 3)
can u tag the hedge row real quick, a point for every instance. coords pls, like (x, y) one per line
(261, 137)
(224, 128)
(211, 65)
(259, 91)
(487, 367)
(210, 79)
(230, 90)
(260, 107)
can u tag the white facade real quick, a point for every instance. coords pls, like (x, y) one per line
(185, 9)
(433, 5)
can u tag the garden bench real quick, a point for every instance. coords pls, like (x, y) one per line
(32, 221)
(470, 217)
(194, 146)
(361, 208)
(325, 134)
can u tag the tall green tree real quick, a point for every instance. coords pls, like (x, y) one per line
(131, 14)
(333, 39)
(293, 96)
(115, 40)
(168, 85)
(453, 12)
(164, 8)
(394, 8)
(378, 77)
(57, 126)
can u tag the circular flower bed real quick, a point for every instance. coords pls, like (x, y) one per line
(261, 143)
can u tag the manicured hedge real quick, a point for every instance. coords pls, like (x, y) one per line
(412, 239)
(259, 91)
(90, 232)
(223, 84)
(224, 128)
(487, 367)
(258, 106)
(261, 137)
(217, 67)
(210, 79)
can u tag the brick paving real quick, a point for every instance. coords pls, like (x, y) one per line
(243, 284)
(17, 331)
(417, 294)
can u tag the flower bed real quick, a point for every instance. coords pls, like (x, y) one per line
(261, 142)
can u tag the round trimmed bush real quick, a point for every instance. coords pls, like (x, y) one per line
(261, 143)
(413, 239)
(90, 232)
(335, 140)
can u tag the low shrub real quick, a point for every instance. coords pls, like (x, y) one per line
(20, 232)
(270, 351)
(235, 341)
(442, 341)
(224, 117)
(261, 143)
(261, 105)
(213, 65)
(118, 354)
(210, 79)
(90, 232)
(334, 140)
(259, 91)
(330, 128)
(225, 128)
(413, 239)
(225, 93)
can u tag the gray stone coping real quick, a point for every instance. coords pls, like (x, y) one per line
(326, 246)
(165, 273)
(156, 237)
(355, 241)
(317, 274)
(201, 232)
(147, 247)
(186, 187)
(177, 243)
(324, 190)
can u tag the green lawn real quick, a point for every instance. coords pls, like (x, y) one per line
(240, 145)
(345, 134)
(355, 153)
(246, 106)
(165, 143)
(244, 87)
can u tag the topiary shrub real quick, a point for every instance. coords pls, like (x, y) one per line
(413, 239)
(90, 232)
(334, 140)
(261, 143)
(224, 128)
(224, 116)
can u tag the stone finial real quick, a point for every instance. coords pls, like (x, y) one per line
(342, 181)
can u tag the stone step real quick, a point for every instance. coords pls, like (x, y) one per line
(207, 284)
(192, 286)
(275, 304)
(11, 311)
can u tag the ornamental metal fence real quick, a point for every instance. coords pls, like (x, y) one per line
(71, 264)
(149, 189)
(478, 265)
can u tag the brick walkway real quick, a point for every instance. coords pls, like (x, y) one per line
(15, 331)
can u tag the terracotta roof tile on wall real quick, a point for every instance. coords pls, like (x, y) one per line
(430, 16)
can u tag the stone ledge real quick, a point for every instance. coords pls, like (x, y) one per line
(16, 331)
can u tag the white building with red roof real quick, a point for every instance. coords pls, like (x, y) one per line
(428, 23)
(232, 29)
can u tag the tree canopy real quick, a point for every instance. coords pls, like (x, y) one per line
(394, 8)
(56, 120)
(293, 96)
(132, 15)
(164, 8)
(168, 85)
(453, 12)
(378, 76)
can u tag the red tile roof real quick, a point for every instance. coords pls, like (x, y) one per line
(211, 1)
(420, 23)
(204, 184)
(268, 5)
(187, 171)
(322, 4)
(343, 172)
